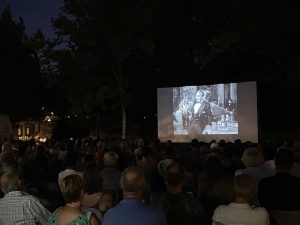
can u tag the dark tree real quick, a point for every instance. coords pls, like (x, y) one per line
(20, 75)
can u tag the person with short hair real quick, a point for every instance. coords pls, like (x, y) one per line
(252, 158)
(72, 190)
(110, 174)
(17, 206)
(70, 162)
(132, 210)
(180, 207)
(239, 211)
(281, 191)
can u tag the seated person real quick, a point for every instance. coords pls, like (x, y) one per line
(252, 159)
(132, 210)
(71, 214)
(215, 187)
(71, 159)
(94, 197)
(281, 191)
(239, 211)
(18, 207)
(179, 206)
(110, 174)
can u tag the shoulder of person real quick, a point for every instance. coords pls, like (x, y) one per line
(94, 220)
(260, 210)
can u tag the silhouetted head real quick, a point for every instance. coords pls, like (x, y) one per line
(252, 157)
(244, 186)
(174, 174)
(133, 180)
(283, 159)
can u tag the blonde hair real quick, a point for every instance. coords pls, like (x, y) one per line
(71, 188)
(110, 158)
(252, 157)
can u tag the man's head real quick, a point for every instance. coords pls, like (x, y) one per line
(110, 159)
(283, 159)
(9, 182)
(252, 157)
(133, 180)
(199, 95)
(244, 187)
(174, 175)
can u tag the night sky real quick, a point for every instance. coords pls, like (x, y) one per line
(35, 13)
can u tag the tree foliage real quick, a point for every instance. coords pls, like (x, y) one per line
(20, 74)
(94, 41)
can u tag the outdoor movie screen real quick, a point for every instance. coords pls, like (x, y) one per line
(219, 111)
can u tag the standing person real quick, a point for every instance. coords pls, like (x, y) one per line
(231, 109)
(201, 115)
(18, 207)
(132, 210)
(230, 105)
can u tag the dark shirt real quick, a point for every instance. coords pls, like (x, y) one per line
(181, 209)
(199, 119)
(280, 192)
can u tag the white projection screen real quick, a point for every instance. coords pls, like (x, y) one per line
(208, 112)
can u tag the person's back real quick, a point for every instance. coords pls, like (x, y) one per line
(239, 211)
(110, 175)
(234, 213)
(281, 191)
(179, 207)
(252, 159)
(132, 210)
(17, 206)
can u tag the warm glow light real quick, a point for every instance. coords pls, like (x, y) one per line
(43, 139)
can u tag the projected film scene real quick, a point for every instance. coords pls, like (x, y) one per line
(208, 112)
(209, 109)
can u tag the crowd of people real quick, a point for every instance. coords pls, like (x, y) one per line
(113, 182)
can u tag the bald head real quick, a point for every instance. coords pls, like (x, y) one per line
(174, 174)
(133, 180)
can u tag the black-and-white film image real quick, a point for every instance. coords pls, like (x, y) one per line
(209, 109)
